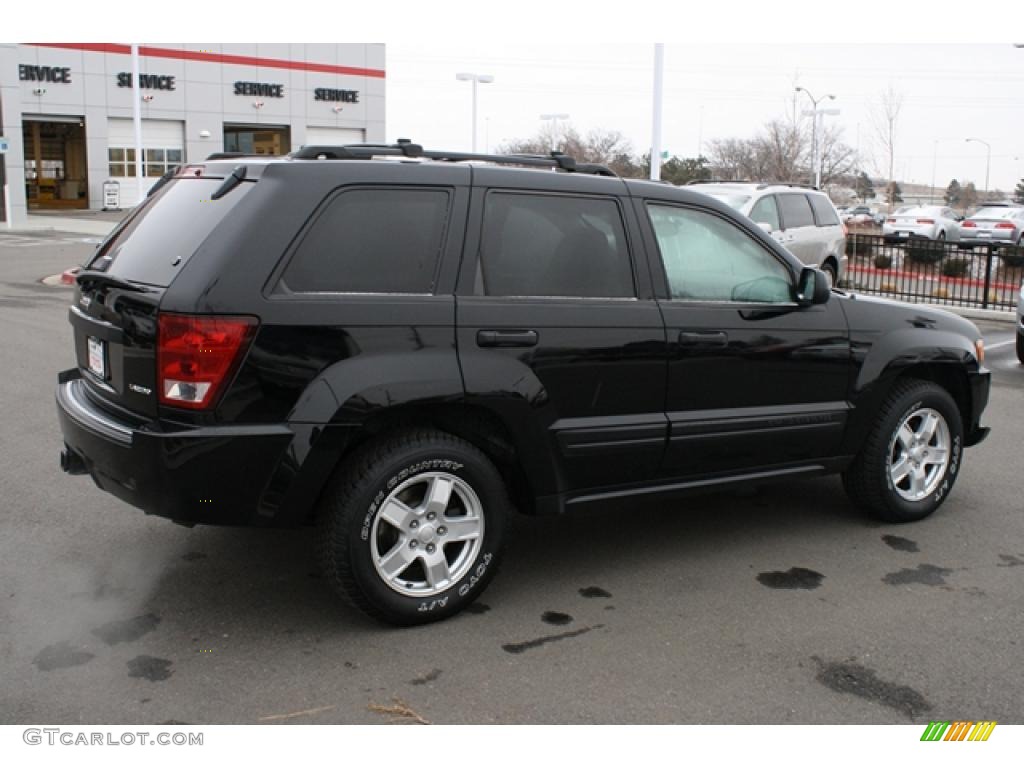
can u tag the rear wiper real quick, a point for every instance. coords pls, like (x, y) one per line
(91, 276)
(237, 177)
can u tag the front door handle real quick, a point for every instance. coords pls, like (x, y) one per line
(506, 338)
(704, 338)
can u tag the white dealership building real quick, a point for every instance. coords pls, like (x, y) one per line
(67, 111)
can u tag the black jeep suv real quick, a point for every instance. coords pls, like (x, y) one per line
(401, 348)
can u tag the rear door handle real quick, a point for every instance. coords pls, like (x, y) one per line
(704, 338)
(506, 338)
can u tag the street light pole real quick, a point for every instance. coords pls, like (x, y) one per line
(988, 159)
(815, 142)
(659, 68)
(474, 78)
(553, 118)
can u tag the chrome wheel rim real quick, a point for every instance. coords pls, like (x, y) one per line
(426, 534)
(919, 454)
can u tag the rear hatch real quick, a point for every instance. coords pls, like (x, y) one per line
(114, 314)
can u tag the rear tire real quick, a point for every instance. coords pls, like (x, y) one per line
(1020, 347)
(412, 528)
(829, 268)
(912, 455)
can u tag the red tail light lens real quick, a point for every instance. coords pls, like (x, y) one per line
(1005, 225)
(926, 221)
(197, 354)
(968, 224)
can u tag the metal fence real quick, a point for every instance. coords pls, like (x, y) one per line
(986, 275)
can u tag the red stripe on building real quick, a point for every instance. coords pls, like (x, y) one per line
(217, 58)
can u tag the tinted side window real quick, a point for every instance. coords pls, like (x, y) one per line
(709, 259)
(372, 241)
(796, 211)
(553, 245)
(765, 210)
(823, 211)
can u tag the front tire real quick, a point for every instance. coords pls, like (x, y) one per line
(412, 528)
(1020, 347)
(911, 457)
(831, 272)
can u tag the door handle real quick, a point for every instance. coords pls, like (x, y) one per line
(506, 338)
(704, 338)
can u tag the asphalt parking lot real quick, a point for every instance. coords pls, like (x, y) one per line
(782, 606)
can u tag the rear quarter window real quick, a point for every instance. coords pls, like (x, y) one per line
(156, 241)
(372, 240)
(824, 213)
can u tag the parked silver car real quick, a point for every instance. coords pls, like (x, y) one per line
(932, 222)
(1003, 224)
(801, 219)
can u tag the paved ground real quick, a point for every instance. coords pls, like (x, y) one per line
(680, 612)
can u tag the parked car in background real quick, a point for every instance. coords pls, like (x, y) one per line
(931, 222)
(860, 214)
(801, 219)
(1001, 223)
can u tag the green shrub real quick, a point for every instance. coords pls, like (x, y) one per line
(956, 267)
(924, 251)
(883, 261)
(859, 246)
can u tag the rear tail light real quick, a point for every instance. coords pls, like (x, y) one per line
(926, 221)
(197, 355)
(890, 221)
(968, 224)
(1005, 225)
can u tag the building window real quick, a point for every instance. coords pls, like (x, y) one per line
(155, 162)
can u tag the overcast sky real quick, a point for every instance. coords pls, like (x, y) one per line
(950, 92)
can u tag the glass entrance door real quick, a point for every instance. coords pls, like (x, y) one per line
(55, 163)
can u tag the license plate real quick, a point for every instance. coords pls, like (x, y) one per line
(984, 234)
(97, 357)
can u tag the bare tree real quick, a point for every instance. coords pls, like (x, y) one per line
(607, 147)
(885, 116)
(782, 152)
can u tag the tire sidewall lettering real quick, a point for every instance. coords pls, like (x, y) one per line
(392, 482)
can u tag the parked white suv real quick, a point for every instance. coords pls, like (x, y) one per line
(800, 218)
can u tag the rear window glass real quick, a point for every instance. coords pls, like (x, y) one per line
(823, 211)
(997, 213)
(372, 241)
(796, 211)
(156, 241)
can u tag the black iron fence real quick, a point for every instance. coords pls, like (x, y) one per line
(986, 275)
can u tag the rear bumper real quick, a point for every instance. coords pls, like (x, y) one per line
(209, 475)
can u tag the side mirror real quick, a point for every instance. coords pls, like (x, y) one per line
(764, 225)
(813, 287)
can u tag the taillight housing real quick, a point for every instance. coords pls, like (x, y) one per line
(968, 224)
(197, 355)
(1006, 225)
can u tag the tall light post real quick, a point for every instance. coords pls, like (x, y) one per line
(815, 142)
(659, 75)
(553, 118)
(988, 159)
(474, 78)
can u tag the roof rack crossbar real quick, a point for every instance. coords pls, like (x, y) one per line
(405, 148)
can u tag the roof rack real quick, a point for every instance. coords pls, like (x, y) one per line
(405, 148)
(760, 184)
(719, 181)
